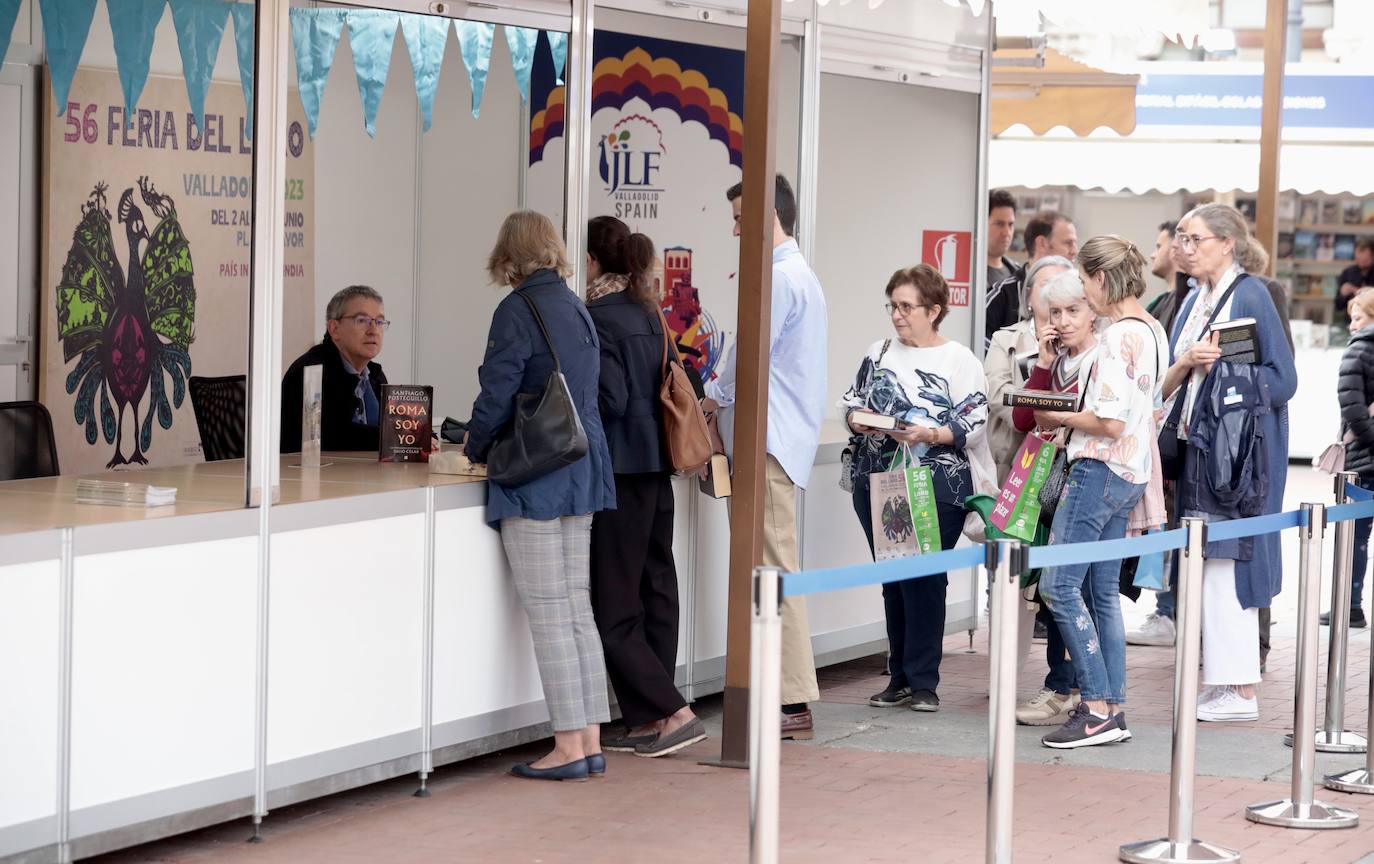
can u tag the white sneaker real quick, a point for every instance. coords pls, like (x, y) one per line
(1046, 708)
(1157, 630)
(1227, 705)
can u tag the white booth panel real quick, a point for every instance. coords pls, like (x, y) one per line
(710, 593)
(685, 495)
(477, 614)
(163, 659)
(29, 596)
(849, 621)
(895, 160)
(346, 622)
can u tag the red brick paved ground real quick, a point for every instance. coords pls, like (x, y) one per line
(840, 804)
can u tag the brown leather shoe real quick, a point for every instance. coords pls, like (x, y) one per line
(798, 726)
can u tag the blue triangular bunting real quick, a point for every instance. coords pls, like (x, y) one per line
(133, 23)
(474, 39)
(371, 35)
(200, 29)
(558, 46)
(9, 12)
(426, 37)
(243, 41)
(315, 33)
(521, 41)
(66, 24)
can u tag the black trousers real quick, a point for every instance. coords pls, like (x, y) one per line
(634, 596)
(914, 608)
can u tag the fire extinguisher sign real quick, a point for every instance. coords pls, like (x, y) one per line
(951, 252)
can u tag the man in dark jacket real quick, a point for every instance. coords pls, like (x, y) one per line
(1355, 278)
(351, 387)
(1048, 233)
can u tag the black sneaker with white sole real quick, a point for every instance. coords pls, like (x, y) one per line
(891, 697)
(1084, 729)
(1121, 724)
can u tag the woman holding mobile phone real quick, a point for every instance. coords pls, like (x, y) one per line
(1068, 343)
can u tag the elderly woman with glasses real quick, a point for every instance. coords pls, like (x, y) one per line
(1241, 576)
(937, 392)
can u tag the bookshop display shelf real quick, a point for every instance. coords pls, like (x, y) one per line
(377, 573)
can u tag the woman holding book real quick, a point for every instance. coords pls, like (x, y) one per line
(1240, 576)
(932, 394)
(1068, 342)
(546, 522)
(1110, 462)
(634, 578)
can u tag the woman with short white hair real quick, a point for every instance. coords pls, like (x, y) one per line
(1068, 343)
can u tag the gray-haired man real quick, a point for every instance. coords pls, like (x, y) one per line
(355, 326)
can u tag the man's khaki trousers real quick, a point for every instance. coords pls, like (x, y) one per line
(780, 550)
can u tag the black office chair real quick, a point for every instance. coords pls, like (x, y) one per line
(27, 446)
(219, 404)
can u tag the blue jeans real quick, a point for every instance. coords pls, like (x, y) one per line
(1096, 506)
(1061, 678)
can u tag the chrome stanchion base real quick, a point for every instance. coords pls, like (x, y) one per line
(1341, 742)
(1335, 742)
(1196, 852)
(1286, 814)
(1359, 780)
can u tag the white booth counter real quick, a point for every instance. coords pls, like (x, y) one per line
(156, 619)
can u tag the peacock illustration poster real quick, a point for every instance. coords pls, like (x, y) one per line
(147, 262)
(667, 138)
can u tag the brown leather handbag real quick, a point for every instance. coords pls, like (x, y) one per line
(684, 424)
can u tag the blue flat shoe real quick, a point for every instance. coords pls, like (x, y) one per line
(596, 765)
(571, 771)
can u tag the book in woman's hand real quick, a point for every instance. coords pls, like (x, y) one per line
(874, 420)
(1041, 400)
(1238, 340)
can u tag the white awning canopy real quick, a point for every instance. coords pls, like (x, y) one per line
(1125, 164)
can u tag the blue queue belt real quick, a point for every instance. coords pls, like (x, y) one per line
(1235, 529)
(859, 575)
(1107, 550)
(837, 578)
(1356, 510)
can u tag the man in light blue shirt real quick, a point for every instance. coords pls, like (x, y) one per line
(796, 404)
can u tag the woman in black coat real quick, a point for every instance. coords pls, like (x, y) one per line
(634, 579)
(1355, 389)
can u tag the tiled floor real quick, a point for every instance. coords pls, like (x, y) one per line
(840, 804)
(843, 801)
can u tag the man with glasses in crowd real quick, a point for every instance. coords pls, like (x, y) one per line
(352, 381)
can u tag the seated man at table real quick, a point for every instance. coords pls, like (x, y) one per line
(351, 385)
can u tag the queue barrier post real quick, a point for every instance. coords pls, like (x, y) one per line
(1359, 780)
(1301, 809)
(765, 695)
(1006, 562)
(1180, 846)
(1334, 737)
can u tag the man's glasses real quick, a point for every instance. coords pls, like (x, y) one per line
(904, 308)
(1190, 242)
(365, 321)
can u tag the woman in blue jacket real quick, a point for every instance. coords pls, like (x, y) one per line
(546, 523)
(1240, 576)
(634, 578)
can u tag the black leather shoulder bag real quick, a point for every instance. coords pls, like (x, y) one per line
(544, 433)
